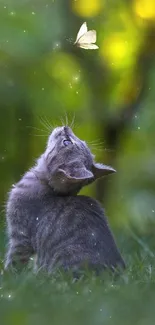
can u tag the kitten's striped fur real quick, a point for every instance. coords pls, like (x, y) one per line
(46, 217)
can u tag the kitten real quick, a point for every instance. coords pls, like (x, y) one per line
(46, 217)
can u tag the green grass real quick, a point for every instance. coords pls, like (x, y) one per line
(27, 299)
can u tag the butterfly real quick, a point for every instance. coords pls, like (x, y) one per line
(86, 39)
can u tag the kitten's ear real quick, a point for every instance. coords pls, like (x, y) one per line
(79, 175)
(100, 170)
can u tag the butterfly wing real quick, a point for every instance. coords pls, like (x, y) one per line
(88, 38)
(83, 30)
(88, 46)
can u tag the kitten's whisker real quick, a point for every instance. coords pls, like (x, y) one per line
(48, 123)
(97, 145)
(62, 121)
(40, 118)
(73, 120)
(41, 135)
(97, 149)
(102, 149)
(66, 119)
(76, 126)
(43, 122)
(96, 142)
(33, 127)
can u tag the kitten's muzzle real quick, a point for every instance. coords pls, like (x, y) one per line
(69, 134)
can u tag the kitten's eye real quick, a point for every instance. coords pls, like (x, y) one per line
(67, 142)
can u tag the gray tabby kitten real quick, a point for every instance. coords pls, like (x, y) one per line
(46, 217)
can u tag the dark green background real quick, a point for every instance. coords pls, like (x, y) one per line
(110, 91)
(45, 79)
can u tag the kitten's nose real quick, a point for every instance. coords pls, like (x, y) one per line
(67, 130)
(69, 133)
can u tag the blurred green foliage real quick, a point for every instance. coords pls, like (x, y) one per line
(44, 79)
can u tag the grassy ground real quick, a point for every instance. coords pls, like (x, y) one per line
(27, 299)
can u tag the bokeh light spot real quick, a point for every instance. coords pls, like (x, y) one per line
(63, 68)
(145, 9)
(118, 50)
(87, 8)
(67, 80)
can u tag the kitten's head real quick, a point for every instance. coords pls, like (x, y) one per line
(69, 162)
